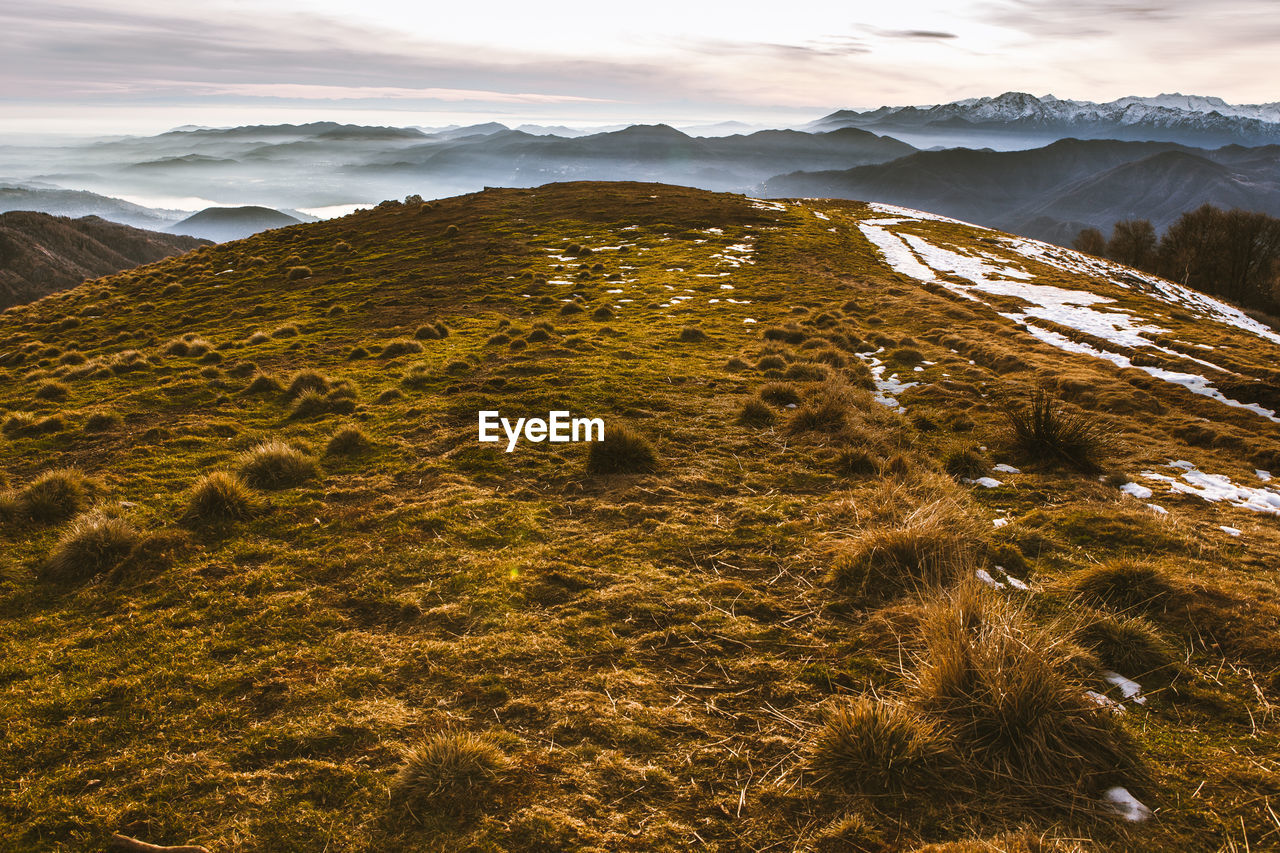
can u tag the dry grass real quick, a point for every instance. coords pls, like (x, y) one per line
(934, 546)
(1051, 435)
(94, 544)
(875, 746)
(54, 496)
(623, 451)
(451, 771)
(276, 465)
(1006, 690)
(347, 441)
(219, 497)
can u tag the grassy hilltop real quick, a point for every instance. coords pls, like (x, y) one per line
(263, 590)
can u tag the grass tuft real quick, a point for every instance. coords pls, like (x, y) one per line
(623, 451)
(219, 497)
(875, 747)
(347, 441)
(756, 413)
(54, 496)
(1127, 644)
(1004, 688)
(308, 380)
(93, 544)
(1124, 585)
(1051, 435)
(450, 771)
(276, 465)
(933, 547)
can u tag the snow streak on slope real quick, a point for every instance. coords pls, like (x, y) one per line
(970, 273)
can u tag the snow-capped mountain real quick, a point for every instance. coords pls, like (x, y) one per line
(1020, 117)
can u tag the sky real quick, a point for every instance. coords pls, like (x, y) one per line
(128, 66)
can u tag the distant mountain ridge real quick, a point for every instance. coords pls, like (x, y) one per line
(41, 254)
(1188, 119)
(222, 224)
(1052, 192)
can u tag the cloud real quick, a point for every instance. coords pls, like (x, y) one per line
(67, 51)
(1185, 20)
(913, 34)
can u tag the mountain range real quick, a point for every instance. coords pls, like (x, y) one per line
(1052, 192)
(1018, 119)
(1040, 166)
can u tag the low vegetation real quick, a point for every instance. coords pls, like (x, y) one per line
(263, 590)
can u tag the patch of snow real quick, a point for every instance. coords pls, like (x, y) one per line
(1194, 383)
(1016, 584)
(1230, 531)
(1125, 805)
(1218, 487)
(896, 253)
(1006, 469)
(1105, 701)
(748, 320)
(1264, 476)
(761, 204)
(1137, 490)
(908, 213)
(1157, 509)
(985, 576)
(985, 482)
(999, 522)
(821, 215)
(1128, 688)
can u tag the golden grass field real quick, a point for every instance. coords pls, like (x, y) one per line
(263, 590)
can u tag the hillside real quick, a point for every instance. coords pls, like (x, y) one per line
(1052, 192)
(221, 224)
(813, 591)
(41, 254)
(57, 201)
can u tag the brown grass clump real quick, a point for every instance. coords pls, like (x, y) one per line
(1127, 644)
(288, 331)
(54, 496)
(263, 383)
(52, 390)
(756, 414)
(1049, 434)
(347, 441)
(426, 333)
(1004, 689)
(308, 380)
(771, 362)
(402, 346)
(93, 544)
(1124, 585)
(623, 451)
(296, 273)
(312, 403)
(259, 338)
(934, 546)
(102, 422)
(875, 747)
(450, 771)
(966, 463)
(276, 465)
(825, 410)
(692, 335)
(219, 497)
(780, 393)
